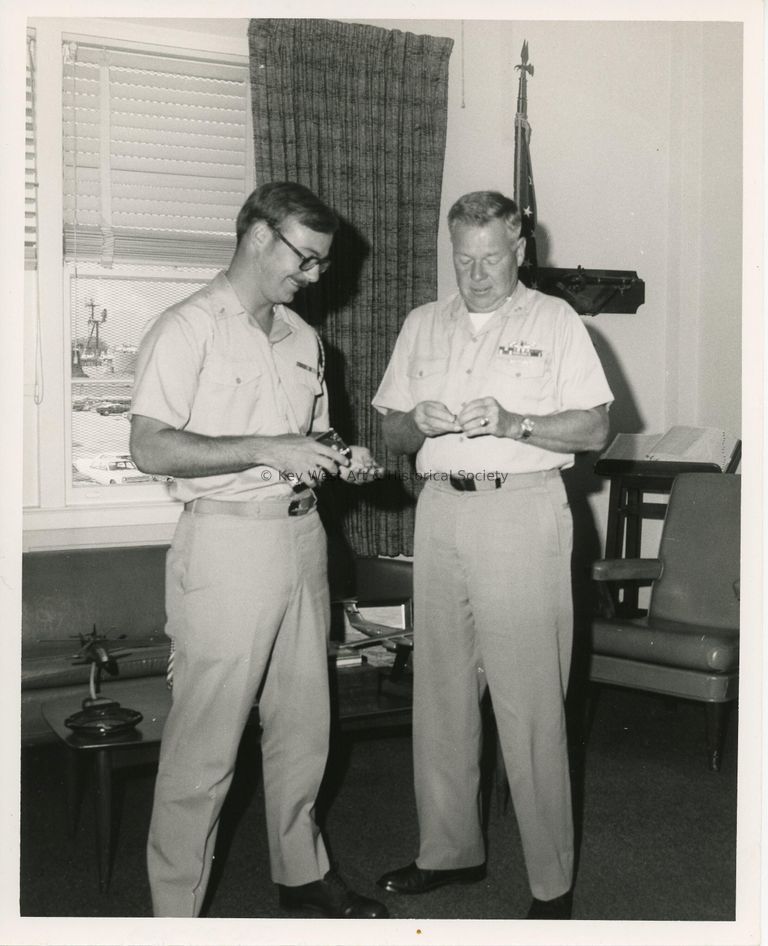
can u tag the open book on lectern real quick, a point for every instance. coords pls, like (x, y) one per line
(679, 444)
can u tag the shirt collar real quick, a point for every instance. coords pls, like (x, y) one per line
(281, 326)
(514, 303)
(223, 296)
(227, 303)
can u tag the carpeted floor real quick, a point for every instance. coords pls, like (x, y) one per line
(657, 829)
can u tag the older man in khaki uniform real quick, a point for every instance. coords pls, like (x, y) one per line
(228, 390)
(494, 389)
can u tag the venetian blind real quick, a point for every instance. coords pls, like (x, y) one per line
(156, 160)
(30, 164)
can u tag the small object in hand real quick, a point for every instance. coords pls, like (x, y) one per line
(331, 439)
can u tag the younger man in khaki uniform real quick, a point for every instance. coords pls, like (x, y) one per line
(228, 390)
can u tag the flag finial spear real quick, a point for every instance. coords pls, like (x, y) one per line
(524, 67)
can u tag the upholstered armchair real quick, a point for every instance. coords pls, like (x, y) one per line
(688, 643)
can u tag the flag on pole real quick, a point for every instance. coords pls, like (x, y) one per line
(525, 195)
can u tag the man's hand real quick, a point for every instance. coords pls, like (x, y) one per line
(161, 449)
(303, 459)
(485, 416)
(363, 468)
(434, 419)
(571, 431)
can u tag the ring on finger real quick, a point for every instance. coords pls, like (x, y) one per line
(484, 422)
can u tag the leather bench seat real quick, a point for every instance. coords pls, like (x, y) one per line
(680, 645)
(44, 664)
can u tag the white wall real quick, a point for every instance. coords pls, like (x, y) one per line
(721, 233)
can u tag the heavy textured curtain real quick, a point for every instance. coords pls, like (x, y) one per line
(358, 114)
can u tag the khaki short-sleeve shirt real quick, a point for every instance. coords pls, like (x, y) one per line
(533, 355)
(203, 366)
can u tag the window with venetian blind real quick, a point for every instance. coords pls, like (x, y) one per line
(157, 163)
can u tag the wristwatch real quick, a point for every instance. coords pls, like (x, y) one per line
(527, 427)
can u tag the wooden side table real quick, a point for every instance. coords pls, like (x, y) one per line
(152, 698)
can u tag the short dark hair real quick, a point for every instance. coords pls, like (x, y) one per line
(480, 207)
(277, 200)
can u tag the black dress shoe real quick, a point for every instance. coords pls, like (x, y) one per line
(331, 897)
(415, 879)
(560, 908)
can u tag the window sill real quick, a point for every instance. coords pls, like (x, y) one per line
(99, 526)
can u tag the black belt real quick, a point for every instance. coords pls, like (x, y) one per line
(472, 484)
(467, 485)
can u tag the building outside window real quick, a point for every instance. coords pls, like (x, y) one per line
(108, 310)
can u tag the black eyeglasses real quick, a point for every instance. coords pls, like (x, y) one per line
(307, 262)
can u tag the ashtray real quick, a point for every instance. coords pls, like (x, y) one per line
(102, 717)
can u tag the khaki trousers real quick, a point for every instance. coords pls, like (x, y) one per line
(493, 606)
(247, 604)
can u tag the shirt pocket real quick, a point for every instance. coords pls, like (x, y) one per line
(309, 380)
(229, 373)
(520, 382)
(228, 395)
(426, 377)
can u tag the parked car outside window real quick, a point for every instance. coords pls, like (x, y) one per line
(112, 469)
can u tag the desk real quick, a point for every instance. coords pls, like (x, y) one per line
(361, 698)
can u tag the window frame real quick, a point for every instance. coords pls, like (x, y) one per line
(54, 518)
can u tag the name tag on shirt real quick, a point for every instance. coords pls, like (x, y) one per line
(521, 349)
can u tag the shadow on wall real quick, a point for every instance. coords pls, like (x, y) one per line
(340, 285)
(625, 415)
(581, 482)
(625, 412)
